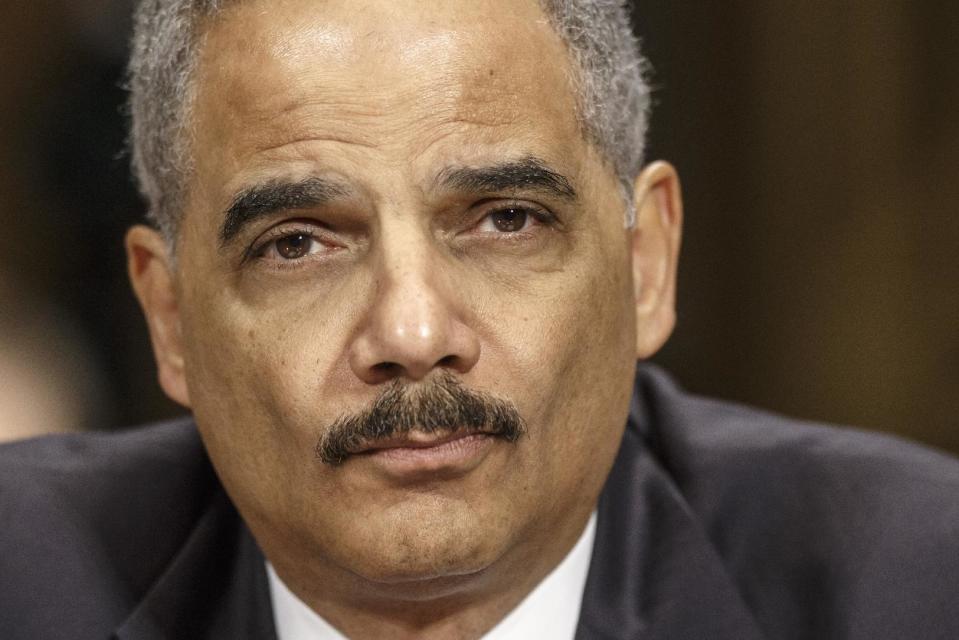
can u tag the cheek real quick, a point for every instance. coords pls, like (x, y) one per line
(595, 361)
(593, 388)
(259, 383)
(567, 328)
(264, 370)
(569, 341)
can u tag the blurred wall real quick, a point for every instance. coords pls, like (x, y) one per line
(65, 199)
(819, 143)
(819, 151)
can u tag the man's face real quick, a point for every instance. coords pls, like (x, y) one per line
(388, 194)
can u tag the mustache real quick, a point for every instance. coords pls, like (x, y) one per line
(444, 406)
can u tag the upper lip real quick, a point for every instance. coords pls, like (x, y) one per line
(416, 440)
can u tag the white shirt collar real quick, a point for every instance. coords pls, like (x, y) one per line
(550, 611)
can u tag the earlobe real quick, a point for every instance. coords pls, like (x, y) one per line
(655, 253)
(149, 268)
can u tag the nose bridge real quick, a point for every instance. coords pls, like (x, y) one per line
(412, 324)
(409, 292)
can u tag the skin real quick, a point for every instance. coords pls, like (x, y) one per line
(408, 277)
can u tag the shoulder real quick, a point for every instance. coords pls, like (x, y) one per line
(91, 519)
(698, 437)
(96, 448)
(859, 526)
(730, 456)
(99, 473)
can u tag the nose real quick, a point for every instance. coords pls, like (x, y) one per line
(414, 323)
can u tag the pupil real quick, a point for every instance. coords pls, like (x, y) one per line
(509, 220)
(293, 247)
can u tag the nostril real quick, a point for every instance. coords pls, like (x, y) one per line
(388, 369)
(448, 361)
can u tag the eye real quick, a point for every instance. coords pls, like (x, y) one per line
(509, 219)
(291, 246)
(294, 247)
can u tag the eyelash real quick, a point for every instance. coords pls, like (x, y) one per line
(540, 216)
(258, 249)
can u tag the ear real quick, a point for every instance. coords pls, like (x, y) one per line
(655, 253)
(150, 270)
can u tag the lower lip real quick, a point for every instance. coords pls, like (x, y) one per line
(457, 456)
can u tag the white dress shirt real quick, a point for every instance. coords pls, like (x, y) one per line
(550, 611)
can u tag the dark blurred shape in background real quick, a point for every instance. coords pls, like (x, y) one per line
(66, 197)
(819, 146)
(50, 379)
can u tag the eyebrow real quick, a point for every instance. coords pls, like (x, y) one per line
(259, 201)
(528, 173)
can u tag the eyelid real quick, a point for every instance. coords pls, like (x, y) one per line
(541, 214)
(282, 230)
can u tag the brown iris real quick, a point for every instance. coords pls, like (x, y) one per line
(294, 246)
(509, 220)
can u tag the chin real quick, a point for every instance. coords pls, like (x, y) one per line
(434, 549)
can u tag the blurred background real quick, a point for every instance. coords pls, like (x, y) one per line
(819, 148)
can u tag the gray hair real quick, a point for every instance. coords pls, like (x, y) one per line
(608, 75)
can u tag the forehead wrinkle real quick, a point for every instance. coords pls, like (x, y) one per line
(352, 123)
(283, 96)
(347, 114)
(470, 83)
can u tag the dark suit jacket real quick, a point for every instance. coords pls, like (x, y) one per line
(717, 522)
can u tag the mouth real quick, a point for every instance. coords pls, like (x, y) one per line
(417, 440)
(417, 453)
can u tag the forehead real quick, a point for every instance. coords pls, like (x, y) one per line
(396, 76)
(362, 47)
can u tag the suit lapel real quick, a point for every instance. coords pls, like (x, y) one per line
(654, 574)
(215, 588)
